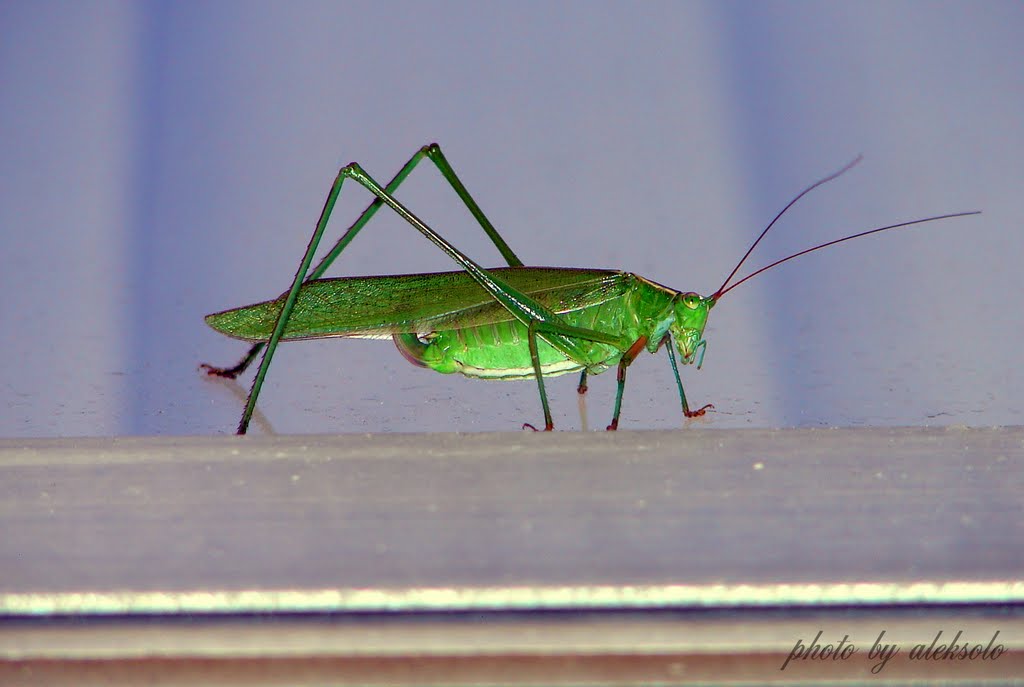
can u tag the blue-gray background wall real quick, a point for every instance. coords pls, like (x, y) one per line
(163, 160)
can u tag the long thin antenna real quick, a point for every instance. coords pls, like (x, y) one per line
(803, 193)
(718, 294)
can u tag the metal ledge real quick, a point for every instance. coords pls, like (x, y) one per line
(675, 557)
(511, 521)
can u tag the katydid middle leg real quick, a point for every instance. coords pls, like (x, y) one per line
(431, 151)
(625, 361)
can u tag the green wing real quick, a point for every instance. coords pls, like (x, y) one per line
(377, 307)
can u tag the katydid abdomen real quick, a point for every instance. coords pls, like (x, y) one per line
(500, 350)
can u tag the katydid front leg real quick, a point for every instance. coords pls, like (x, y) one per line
(666, 341)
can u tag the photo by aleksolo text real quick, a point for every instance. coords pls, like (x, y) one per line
(881, 652)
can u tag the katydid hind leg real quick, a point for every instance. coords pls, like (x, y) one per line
(352, 170)
(289, 302)
(431, 151)
(325, 263)
(535, 359)
(239, 368)
(527, 310)
(551, 327)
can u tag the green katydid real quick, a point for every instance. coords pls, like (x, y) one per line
(512, 322)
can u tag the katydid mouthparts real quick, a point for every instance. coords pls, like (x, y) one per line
(513, 322)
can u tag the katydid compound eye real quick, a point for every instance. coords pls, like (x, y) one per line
(691, 300)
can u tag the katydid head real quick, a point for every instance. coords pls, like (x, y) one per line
(691, 314)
